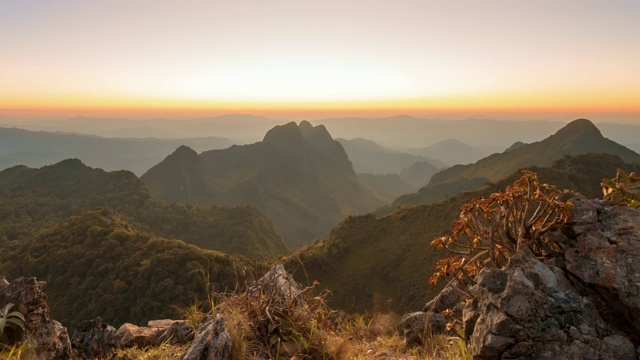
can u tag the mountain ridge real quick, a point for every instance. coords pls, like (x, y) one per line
(578, 137)
(298, 176)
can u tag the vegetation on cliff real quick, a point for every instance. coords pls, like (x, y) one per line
(384, 262)
(33, 199)
(98, 264)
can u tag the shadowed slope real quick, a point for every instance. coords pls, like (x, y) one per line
(36, 198)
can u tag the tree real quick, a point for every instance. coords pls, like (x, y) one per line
(624, 188)
(489, 231)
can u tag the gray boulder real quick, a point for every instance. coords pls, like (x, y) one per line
(278, 285)
(130, 335)
(94, 339)
(211, 342)
(420, 325)
(531, 310)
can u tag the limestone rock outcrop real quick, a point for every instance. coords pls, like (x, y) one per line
(212, 341)
(420, 325)
(580, 303)
(94, 339)
(156, 331)
(583, 304)
(532, 310)
(278, 285)
(48, 339)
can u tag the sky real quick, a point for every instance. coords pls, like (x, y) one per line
(298, 57)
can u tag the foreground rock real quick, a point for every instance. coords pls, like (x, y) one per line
(212, 341)
(47, 338)
(278, 285)
(421, 325)
(602, 249)
(531, 310)
(156, 331)
(94, 339)
(584, 305)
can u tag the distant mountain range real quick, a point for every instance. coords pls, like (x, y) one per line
(490, 135)
(297, 175)
(242, 127)
(450, 152)
(578, 137)
(39, 148)
(389, 173)
(367, 156)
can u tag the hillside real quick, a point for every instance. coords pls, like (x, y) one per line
(578, 137)
(450, 152)
(99, 264)
(40, 148)
(419, 173)
(33, 199)
(297, 175)
(387, 186)
(384, 262)
(368, 156)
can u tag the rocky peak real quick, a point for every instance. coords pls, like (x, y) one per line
(305, 127)
(285, 136)
(184, 152)
(581, 128)
(316, 132)
(515, 146)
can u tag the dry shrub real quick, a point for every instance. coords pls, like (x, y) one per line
(264, 324)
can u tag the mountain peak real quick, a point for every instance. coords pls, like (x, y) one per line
(183, 151)
(579, 128)
(314, 133)
(68, 165)
(287, 134)
(305, 126)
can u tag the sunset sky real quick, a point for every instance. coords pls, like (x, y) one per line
(331, 56)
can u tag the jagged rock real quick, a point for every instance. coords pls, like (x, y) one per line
(279, 285)
(94, 339)
(211, 342)
(129, 335)
(48, 338)
(177, 333)
(448, 299)
(418, 326)
(604, 255)
(531, 310)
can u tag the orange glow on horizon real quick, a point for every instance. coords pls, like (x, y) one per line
(493, 103)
